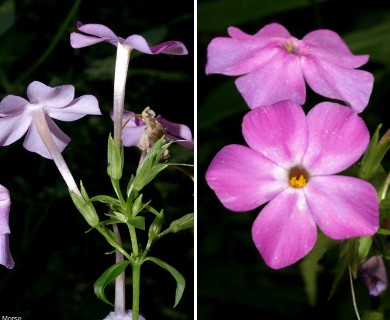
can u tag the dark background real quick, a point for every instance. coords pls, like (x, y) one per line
(233, 281)
(56, 261)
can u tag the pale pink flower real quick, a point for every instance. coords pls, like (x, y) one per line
(5, 253)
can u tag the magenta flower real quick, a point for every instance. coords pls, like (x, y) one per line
(19, 116)
(291, 163)
(134, 127)
(373, 274)
(97, 33)
(5, 254)
(274, 65)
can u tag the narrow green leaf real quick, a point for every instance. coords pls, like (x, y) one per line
(108, 276)
(365, 244)
(384, 232)
(180, 281)
(106, 199)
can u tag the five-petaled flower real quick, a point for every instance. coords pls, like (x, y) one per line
(274, 66)
(135, 127)
(18, 116)
(95, 33)
(5, 254)
(291, 163)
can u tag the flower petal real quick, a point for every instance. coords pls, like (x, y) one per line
(178, 132)
(279, 79)
(337, 138)
(284, 231)
(78, 40)
(131, 134)
(243, 179)
(33, 142)
(5, 204)
(235, 57)
(169, 47)
(12, 105)
(328, 45)
(5, 253)
(352, 86)
(99, 33)
(57, 97)
(278, 132)
(13, 128)
(77, 109)
(343, 207)
(273, 30)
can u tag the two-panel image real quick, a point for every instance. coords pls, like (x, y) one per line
(216, 159)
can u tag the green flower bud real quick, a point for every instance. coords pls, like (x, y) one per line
(183, 223)
(115, 159)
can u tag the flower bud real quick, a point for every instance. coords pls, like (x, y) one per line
(115, 159)
(183, 223)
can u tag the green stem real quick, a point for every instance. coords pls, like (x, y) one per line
(385, 188)
(54, 42)
(136, 289)
(353, 294)
(134, 241)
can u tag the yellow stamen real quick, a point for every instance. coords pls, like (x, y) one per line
(298, 183)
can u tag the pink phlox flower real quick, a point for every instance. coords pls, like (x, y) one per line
(274, 65)
(134, 127)
(5, 253)
(18, 115)
(96, 33)
(290, 167)
(373, 274)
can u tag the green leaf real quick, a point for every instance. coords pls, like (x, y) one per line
(310, 267)
(373, 156)
(365, 244)
(108, 276)
(180, 281)
(150, 166)
(218, 15)
(384, 232)
(138, 222)
(107, 200)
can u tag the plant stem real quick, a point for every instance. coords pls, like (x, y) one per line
(353, 294)
(120, 303)
(47, 138)
(136, 268)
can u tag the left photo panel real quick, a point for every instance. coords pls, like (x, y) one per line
(97, 122)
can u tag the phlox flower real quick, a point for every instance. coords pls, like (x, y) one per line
(34, 116)
(95, 33)
(273, 66)
(373, 274)
(290, 167)
(134, 127)
(5, 253)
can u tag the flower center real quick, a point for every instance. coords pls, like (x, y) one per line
(291, 46)
(298, 177)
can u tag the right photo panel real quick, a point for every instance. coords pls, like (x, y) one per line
(293, 140)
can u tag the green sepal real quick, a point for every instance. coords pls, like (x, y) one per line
(138, 205)
(108, 276)
(365, 244)
(180, 281)
(374, 154)
(185, 222)
(115, 158)
(155, 228)
(150, 166)
(85, 207)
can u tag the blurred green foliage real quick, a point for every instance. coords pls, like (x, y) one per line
(56, 261)
(233, 281)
